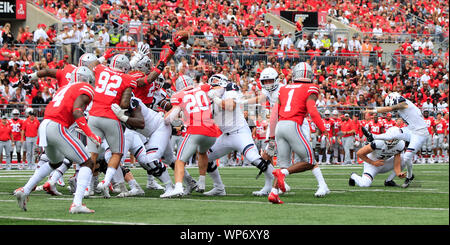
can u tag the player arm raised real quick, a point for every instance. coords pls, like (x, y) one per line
(363, 152)
(79, 105)
(399, 106)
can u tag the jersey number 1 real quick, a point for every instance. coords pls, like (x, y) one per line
(289, 100)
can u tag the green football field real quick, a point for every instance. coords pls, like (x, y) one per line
(426, 202)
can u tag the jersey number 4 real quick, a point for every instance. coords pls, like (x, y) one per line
(196, 102)
(107, 84)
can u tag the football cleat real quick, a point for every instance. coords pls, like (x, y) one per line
(61, 182)
(390, 183)
(132, 193)
(322, 191)
(153, 185)
(104, 188)
(351, 182)
(408, 182)
(288, 188)
(280, 179)
(175, 192)
(190, 186)
(261, 193)
(22, 198)
(201, 186)
(51, 189)
(39, 188)
(72, 184)
(275, 199)
(368, 134)
(216, 192)
(80, 209)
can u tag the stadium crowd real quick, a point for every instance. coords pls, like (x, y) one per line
(349, 77)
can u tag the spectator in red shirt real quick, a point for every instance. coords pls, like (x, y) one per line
(30, 133)
(5, 141)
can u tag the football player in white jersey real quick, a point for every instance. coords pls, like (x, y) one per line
(415, 133)
(236, 135)
(156, 135)
(380, 157)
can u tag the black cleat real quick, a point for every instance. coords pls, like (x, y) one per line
(389, 183)
(408, 182)
(351, 182)
(368, 134)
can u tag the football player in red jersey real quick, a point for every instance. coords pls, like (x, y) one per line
(325, 139)
(388, 122)
(375, 125)
(67, 107)
(336, 146)
(427, 146)
(201, 131)
(16, 127)
(295, 101)
(441, 127)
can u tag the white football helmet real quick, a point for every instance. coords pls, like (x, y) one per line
(160, 80)
(15, 112)
(29, 110)
(302, 72)
(121, 63)
(327, 112)
(144, 65)
(392, 131)
(218, 80)
(269, 79)
(87, 59)
(335, 113)
(183, 82)
(82, 74)
(392, 99)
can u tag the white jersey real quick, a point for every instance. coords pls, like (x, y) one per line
(272, 96)
(382, 152)
(229, 121)
(152, 118)
(412, 116)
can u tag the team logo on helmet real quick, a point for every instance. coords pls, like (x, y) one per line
(87, 59)
(121, 63)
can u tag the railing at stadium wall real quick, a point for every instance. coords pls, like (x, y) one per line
(38, 109)
(38, 53)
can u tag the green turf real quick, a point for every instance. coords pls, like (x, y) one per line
(425, 203)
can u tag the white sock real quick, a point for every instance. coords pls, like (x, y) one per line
(275, 191)
(118, 176)
(285, 172)
(320, 158)
(165, 178)
(391, 176)
(109, 175)
(342, 157)
(58, 173)
(328, 157)
(39, 174)
(132, 183)
(83, 179)
(150, 178)
(269, 176)
(179, 185)
(202, 179)
(319, 177)
(217, 180)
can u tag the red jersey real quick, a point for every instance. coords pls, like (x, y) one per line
(329, 126)
(347, 126)
(5, 132)
(16, 128)
(145, 93)
(31, 127)
(63, 75)
(261, 127)
(109, 87)
(337, 124)
(441, 126)
(196, 107)
(312, 125)
(388, 124)
(430, 123)
(375, 127)
(292, 99)
(60, 109)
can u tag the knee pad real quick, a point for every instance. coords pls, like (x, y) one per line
(103, 166)
(125, 170)
(158, 170)
(67, 162)
(211, 167)
(55, 165)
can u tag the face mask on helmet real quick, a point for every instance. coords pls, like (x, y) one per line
(269, 79)
(144, 65)
(218, 80)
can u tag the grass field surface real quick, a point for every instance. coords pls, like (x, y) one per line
(426, 202)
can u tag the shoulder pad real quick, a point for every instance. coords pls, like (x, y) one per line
(232, 87)
(401, 99)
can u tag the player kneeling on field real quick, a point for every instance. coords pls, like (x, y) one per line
(380, 156)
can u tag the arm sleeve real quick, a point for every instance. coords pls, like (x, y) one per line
(315, 116)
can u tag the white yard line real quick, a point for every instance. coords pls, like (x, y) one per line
(73, 221)
(293, 204)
